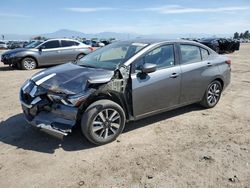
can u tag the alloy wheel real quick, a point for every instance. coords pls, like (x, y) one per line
(29, 63)
(213, 94)
(106, 124)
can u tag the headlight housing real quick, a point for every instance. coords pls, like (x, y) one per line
(74, 100)
(12, 55)
(55, 97)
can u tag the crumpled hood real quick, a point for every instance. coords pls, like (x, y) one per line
(70, 78)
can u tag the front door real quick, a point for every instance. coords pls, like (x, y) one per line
(158, 90)
(50, 53)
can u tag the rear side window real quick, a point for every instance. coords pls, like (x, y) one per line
(68, 43)
(190, 54)
(51, 44)
(204, 54)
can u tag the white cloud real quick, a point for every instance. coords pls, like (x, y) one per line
(88, 9)
(169, 9)
(176, 9)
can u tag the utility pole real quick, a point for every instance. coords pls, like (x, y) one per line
(3, 37)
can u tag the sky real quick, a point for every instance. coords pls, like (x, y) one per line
(125, 16)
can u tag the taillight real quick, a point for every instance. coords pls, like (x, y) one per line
(229, 62)
(91, 49)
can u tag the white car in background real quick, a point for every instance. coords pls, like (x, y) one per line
(3, 45)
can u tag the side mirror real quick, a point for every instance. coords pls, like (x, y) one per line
(41, 48)
(148, 68)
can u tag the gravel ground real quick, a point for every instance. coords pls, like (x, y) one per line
(188, 147)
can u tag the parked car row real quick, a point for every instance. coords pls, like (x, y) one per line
(243, 40)
(221, 45)
(121, 82)
(98, 43)
(42, 53)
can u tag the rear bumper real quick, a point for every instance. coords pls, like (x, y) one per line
(227, 77)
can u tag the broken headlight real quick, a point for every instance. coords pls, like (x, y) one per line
(74, 100)
(55, 98)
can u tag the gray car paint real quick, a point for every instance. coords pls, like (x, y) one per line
(51, 56)
(140, 96)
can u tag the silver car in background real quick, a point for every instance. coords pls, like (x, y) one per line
(44, 53)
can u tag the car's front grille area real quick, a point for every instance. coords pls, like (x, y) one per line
(26, 98)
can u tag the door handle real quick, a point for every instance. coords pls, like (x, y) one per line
(209, 64)
(174, 75)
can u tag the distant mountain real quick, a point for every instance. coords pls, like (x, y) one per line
(70, 33)
(63, 33)
(66, 33)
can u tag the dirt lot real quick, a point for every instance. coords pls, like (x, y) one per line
(188, 147)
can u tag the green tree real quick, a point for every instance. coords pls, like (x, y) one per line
(236, 35)
(246, 34)
(241, 35)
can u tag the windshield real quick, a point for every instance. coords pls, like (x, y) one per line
(111, 56)
(33, 44)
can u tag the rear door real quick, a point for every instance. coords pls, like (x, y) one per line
(51, 53)
(158, 90)
(69, 50)
(195, 75)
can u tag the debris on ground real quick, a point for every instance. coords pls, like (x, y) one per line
(149, 176)
(234, 179)
(206, 158)
(81, 183)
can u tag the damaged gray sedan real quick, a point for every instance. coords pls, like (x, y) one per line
(121, 82)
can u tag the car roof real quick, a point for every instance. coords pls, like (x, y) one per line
(62, 39)
(153, 41)
(159, 41)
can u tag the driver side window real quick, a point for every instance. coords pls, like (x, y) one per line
(51, 44)
(162, 56)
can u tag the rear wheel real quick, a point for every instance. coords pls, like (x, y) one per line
(103, 121)
(212, 95)
(79, 56)
(28, 63)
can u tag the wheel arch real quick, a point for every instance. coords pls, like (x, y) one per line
(115, 97)
(81, 53)
(219, 80)
(30, 56)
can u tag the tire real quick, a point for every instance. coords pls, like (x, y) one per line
(28, 63)
(212, 95)
(80, 56)
(103, 121)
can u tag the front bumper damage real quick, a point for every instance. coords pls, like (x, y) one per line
(52, 118)
(7, 60)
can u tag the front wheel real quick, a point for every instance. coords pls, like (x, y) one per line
(212, 95)
(28, 63)
(103, 121)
